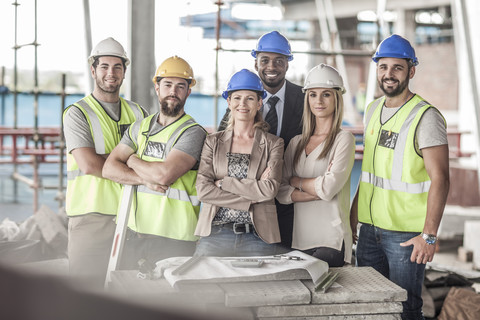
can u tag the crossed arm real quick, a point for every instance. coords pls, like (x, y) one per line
(238, 193)
(125, 167)
(89, 162)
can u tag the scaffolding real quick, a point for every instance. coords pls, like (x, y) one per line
(46, 141)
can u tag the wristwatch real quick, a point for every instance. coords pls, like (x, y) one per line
(429, 238)
(220, 184)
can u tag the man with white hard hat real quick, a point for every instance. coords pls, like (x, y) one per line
(93, 126)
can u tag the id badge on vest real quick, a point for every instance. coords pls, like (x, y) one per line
(155, 149)
(388, 139)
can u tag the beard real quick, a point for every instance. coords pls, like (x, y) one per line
(271, 83)
(170, 108)
(402, 85)
(108, 88)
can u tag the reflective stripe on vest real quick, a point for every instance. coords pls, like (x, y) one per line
(71, 175)
(171, 193)
(96, 127)
(174, 213)
(395, 183)
(88, 193)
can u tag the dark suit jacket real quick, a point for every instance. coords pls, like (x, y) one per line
(291, 126)
(292, 113)
(250, 194)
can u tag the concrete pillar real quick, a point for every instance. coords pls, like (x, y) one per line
(471, 240)
(141, 42)
(405, 24)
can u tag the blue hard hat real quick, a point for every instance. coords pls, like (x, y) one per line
(395, 46)
(245, 80)
(273, 42)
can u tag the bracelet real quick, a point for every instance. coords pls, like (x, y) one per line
(300, 185)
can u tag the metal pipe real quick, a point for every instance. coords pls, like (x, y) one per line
(473, 77)
(2, 122)
(88, 44)
(219, 3)
(61, 137)
(36, 136)
(35, 82)
(19, 177)
(352, 53)
(15, 94)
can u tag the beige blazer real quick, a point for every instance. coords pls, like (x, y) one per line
(251, 194)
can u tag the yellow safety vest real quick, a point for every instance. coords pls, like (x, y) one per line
(394, 183)
(88, 193)
(173, 214)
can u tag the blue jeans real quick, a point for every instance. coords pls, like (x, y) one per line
(380, 249)
(223, 242)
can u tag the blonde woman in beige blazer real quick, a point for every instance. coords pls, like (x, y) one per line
(238, 178)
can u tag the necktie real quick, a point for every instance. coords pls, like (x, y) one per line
(271, 118)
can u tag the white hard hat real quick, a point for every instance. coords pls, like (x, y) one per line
(324, 76)
(108, 47)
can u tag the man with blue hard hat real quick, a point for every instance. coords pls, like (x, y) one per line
(405, 177)
(272, 54)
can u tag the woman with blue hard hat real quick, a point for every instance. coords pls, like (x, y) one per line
(238, 178)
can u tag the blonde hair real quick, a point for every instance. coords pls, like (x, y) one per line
(309, 126)
(258, 121)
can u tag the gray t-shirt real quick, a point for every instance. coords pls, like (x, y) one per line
(77, 129)
(431, 129)
(190, 142)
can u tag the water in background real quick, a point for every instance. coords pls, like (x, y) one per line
(199, 106)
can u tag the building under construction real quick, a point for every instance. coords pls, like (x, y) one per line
(340, 33)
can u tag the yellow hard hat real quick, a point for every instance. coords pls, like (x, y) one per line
(175, 67)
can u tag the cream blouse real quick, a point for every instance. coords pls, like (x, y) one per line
(325, 222)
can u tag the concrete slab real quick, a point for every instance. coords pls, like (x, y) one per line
(362, 284)
(199, 299)
(265, 293)
(338, 309)
(126, 282)
(354, 317)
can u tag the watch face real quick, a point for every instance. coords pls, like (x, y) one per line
(430, 239)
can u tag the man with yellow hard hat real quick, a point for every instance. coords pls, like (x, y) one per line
(161, 154)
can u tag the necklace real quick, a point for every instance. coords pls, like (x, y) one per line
(395, 122)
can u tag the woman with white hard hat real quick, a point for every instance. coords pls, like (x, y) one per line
(238, 178)
(316, 174)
